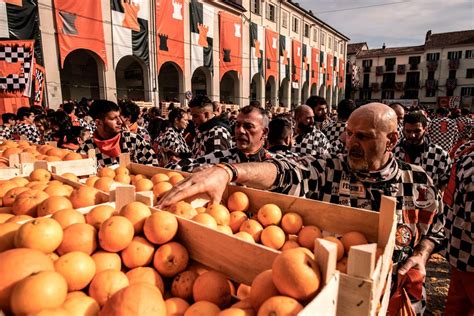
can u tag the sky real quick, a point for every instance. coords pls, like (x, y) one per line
(393, 22)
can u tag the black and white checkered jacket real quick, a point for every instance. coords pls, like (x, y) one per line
(312, 143)
(5, 132)
(334, 130)
(465, 126)
(330, 179)
(212, 135)
(443, 132)
(140, 150)
(172, 141)
(30, 131)
(232, 155)
(459, 211)
(283, 151)
(432, 158)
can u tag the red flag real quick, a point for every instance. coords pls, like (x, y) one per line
(231, 43)
(296, 61)
(314, 65)
(341, 73)
(14, 2)
(271, 54)
(16, 66)
(80, 27)
(329, 69)
(170, 32)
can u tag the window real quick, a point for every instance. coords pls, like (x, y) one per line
(323, 38)
(390, 63)
(365, 94)
(284, 19)
(414, 60)
(271, 12)
(467, 92)
(469, 54)
(388, 94)
(413, 80)
(470, 73)
(452, 74)
(296, 23)
(411, 94)
(329, 42)
(455, 55)
(315, 35)
(342, 48)
(431, 75)
(367, 64)
(255, 6)
(306, 30)
(366, 81)
(430, 93)
(432, 57)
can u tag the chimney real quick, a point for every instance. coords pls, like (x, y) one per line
(383, 46)
(428, 35)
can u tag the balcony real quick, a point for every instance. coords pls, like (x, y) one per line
(399, 86)
(432, 65)
(414, 66)
(375, 87)
(431, 84)
(389, 67)
(388, 85)
(367, 69)
(401, 69)
(412, 84)
(379, 70)
(453, 64)
(451, 84)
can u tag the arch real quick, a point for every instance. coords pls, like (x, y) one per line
(341, 95)
(271, 91)
(305, 92)
(201, 81)
(131, 75)
(229, 88)
(283, 92)
(256, 88)
(295, 96)
(314, 89)
(170, 82)
(321, 91)
(82, 75)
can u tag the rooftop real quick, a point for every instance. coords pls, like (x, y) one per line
(449, 39)
(355, 48)
(392, 51)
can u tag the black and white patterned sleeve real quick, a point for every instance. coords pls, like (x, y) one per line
(144, 154)
(218, 138)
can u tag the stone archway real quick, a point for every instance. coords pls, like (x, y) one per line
(284, 92)
(271, 91)
(229, 88)
(170, 82)
(256, 88)
(82, 76)
(132, 82)
(201, 82)
(314, 89)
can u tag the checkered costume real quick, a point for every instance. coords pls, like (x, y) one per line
(329, 179)
(140, 151)
(311, 143)
(334, 130)
(30, 131)
(465, 127)
(433, 159)
(90, 127)
(232, 155)
(5, 132)
(283, 151)
(443, 132)
(324, 124)
(459, 212)
(16, 54)
(172, 141)
(211, 136)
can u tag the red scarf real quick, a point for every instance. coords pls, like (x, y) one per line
(133, 128)
(409, 286)
(110, 147)
(74, 120)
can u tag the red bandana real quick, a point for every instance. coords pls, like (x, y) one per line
(110, 147)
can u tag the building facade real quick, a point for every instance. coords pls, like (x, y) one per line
(281, 53)
(438, 73)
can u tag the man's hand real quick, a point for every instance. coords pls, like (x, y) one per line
(211, 181)
(415, 262)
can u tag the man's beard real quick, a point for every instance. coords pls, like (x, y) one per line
(304, 128)
(358, 163)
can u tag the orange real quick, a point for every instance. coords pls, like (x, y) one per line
(159, 177)
(57, 152)
(161, 188)
(146, 275)
(81, 305)
(137, 177)
(238, 201)
(19, 219)
(47, 289)
(234, 311)
(4, 217)
(176, 306)
(236, 220)
(290, 244)
(262, 289)
(106, 172)
(91, 181)
(136, 213)
(295, 273)
(269, 214)
(72, 156)
(138, 253)
(160, 227)
(175, 179)
(7, 186)
(340, 246)
(225, 229)
(182, 285)
(38, 185)
(43, 234)
(122, 170)
(206, 220)
(10, 195)
(202, 308)
(115, 234)
(201, 209)
(78, 237)
(70, 176)
(7, 235)
(58, 190)
(52, 158)
(53, 204)
(183, 209)
(143, 185)
(252, 227)
(106, 283)
(123, 178)
(27, 203)
(280, 305)
(341, 265)
(212, 286)
(308, 235)
(40, 175)
(99, 214)
(170, 259)
(244, 236)
(11, 151)
(74, 294)
(353, 239)
(20, 181)
(104, 184)
(273, 237)
(243, 291)
(106, 260)
(220, 213)
(291, 223)
(68, 217)
(85, 196)
(77, 268)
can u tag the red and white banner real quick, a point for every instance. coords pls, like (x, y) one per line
(329, 67)
(314, 65)
(230, 50)
(16, 68)
(296, 71)
(40, 78)
(271, 54)
(341, 73)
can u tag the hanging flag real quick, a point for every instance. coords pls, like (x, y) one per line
(80, 26)
(202, 34)
(257, 50)
(314, 66)
(306, 64)
(19, 20)
(296, 71)
(271, 54)
(230, 50)
(130, 29)
(285, 57)
(39, 76)
(329, 74)
(170, 32)
(322, 72)
(16, 65)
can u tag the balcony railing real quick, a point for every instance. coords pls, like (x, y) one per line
(388, 85)
(367, 68)
(431, 84)
(432, 65)
(412, 85)
(453, 64)
(379, 70)
(389, 67)
(399, 86)
(451, 84)
(401, 69)
(414, 66)
(375, 87)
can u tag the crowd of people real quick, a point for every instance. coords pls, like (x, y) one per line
(351, 157)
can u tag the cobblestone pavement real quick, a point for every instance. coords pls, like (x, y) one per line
(437, 284)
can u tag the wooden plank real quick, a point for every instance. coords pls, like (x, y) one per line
(355, 296)
(386, 296)
(80, 167)
(361, 261)
(124, 159)
(8, 173)
(150, 171)
(103, 196)
(326, 256)
(326, 302)
(146, 198)
(388, 206)
(124, 194)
